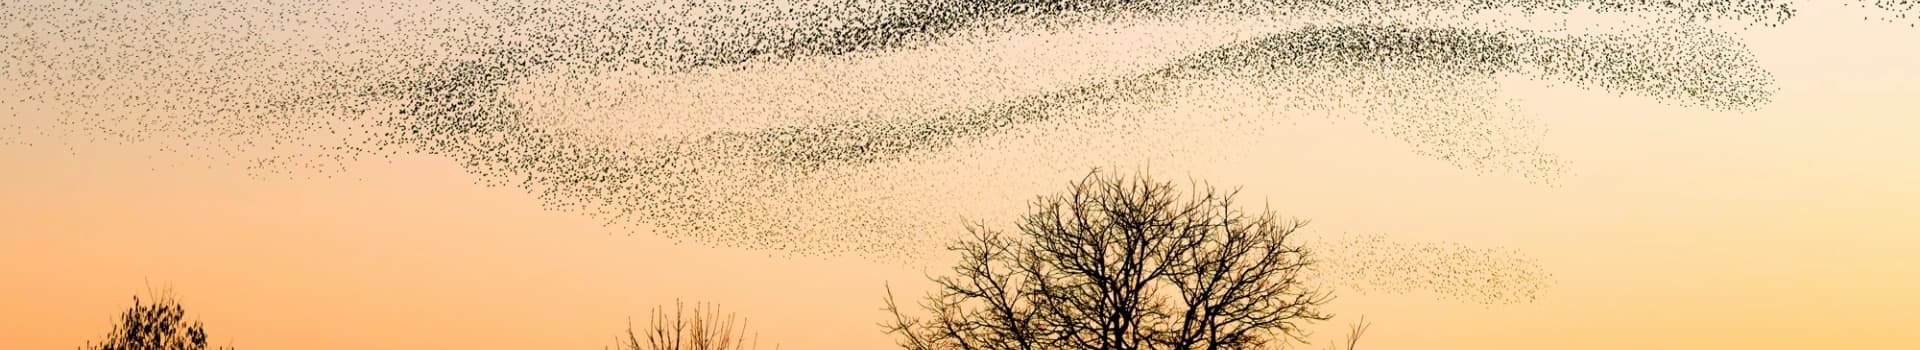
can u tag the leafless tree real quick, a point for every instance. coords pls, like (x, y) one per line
(1354, 331)
(702, 329)
(1121, 263)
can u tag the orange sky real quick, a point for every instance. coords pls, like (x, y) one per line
(1786, 228)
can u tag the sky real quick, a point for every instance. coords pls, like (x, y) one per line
(1784, 226)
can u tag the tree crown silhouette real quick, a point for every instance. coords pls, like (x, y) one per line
(1121, 263)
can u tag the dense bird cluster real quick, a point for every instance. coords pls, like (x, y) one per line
(314, 87)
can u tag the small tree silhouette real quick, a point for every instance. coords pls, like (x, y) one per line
(1120, 263)
(159, 325)
(703, 329)
(1354, 331)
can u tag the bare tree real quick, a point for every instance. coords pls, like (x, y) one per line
(160, 324)
(703, 329)
(1354, 331)
(1119, 263)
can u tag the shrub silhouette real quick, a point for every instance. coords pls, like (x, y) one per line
(704, 329)
(1119, 263)
(158, 325)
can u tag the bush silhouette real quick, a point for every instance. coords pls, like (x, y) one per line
(704, 329)
(160, 324)
(1121, 263)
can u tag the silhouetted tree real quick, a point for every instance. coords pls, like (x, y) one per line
(161, 324)
(703, 329)
(1120, 263)
(1354, 331)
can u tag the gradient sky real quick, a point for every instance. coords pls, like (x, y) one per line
(1789, 227)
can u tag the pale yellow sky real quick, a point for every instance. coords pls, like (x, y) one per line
(1679, 228)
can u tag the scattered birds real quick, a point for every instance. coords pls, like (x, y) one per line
(1892, 11)
(1374, 263)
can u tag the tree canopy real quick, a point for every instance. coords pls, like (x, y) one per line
(1121, 263)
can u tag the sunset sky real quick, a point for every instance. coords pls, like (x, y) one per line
(1787, 227)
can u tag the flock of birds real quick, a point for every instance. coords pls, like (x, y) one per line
(1895, 11)
(302, 88)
